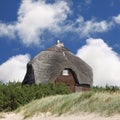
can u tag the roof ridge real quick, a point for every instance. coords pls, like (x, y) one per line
(57, 48)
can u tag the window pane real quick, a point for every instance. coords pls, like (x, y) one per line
(65, 72)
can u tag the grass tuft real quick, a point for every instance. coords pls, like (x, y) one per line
(101, 103)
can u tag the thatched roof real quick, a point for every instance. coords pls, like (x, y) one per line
(48, 64)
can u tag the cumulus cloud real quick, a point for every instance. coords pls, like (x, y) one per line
(117, 19)
(33, 18)
(104, 61)
(89, 27)
(92, 26)
(7, 30)
(14, 68)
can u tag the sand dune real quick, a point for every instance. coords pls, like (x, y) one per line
(81, 116)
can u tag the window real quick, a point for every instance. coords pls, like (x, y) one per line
(65, 72)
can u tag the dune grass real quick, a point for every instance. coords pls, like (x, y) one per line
(101, 103)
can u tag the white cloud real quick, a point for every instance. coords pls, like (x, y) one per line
(33, 18)
(14, 68)
(7, 30)
(36, 17)
(89, 27)
(117, 19)
(104, 61)
(92, 26)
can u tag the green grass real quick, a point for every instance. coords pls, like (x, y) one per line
(101, 103)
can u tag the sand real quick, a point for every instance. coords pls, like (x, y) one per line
(81, 116)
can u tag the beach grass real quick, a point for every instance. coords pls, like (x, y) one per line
(91, 102)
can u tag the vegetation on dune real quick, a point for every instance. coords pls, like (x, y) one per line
(34, 99)
(110, 89)
(101, 103)
(13, 95)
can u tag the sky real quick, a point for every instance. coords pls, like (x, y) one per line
(90, 29)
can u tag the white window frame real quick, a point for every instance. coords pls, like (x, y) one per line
(65, 72)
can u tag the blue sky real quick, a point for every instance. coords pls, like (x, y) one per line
(89, 28)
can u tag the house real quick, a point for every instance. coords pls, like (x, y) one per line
(58, 65)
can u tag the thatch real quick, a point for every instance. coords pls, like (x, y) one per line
(47, 66)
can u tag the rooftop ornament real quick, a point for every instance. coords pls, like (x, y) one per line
(59, 44)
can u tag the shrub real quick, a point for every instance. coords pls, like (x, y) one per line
(110, 89)
(13, 95)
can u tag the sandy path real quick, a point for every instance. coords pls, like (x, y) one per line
(85, 116)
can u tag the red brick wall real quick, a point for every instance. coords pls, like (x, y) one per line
(69, 81)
